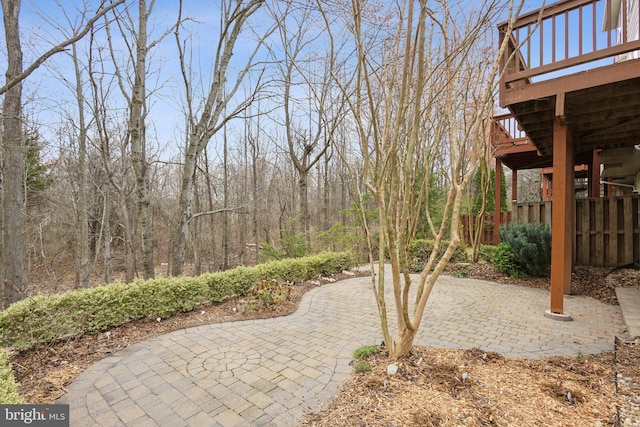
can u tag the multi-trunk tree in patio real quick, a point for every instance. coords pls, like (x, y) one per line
(421, 98)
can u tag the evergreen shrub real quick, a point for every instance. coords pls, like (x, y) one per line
(8, 387)
(531, 243)
(505, 260)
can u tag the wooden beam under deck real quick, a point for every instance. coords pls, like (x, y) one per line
(614, 73)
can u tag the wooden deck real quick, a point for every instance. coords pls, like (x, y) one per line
(571, 81)
(549, 74)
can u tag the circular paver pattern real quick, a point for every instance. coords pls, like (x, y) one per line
(223, 363)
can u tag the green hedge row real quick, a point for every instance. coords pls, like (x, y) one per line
(420, 250)
(43, 319)
(8, 386)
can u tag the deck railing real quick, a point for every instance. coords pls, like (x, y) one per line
(569, 33)
(507, 131)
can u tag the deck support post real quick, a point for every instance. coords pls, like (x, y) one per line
(514, 185)
(497, 214)
(562, 214)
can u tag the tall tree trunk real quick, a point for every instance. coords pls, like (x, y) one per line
(198, 244)
(106, 229)
(83, 216)
(13, 162)
(253, 141)
(127, 237)
(242, 221)
(225, 196)
(326, 200)
(214, 111)
(303, 183)
(184, 209)
(344, 182)
(212, 221)
(137, 138)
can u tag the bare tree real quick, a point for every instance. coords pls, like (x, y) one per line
(137, 100)
(138, 139)
(14, 280)
(310, 121)
(411, 117)
(83, 217)
(114, 162)
(215, 112)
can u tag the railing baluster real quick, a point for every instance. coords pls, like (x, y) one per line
(528, 43)
(541, 63)
(623, 24)
(580, 31)
(553, 38)
(566, 35)
(593, 27)
(610, 31)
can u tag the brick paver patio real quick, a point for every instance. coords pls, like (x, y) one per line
(272, 372)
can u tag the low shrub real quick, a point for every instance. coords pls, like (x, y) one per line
(486, 252)
(531, 243)
(270, 292)
(505, 260)
(420, 250)
(43, 319)
(8, 386)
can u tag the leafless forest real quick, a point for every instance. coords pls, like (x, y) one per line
(143, 138)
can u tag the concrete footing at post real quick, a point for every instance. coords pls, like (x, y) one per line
(562, 317)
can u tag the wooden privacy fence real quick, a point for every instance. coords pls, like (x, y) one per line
(470, 224)
(608, 231)
(607, 228)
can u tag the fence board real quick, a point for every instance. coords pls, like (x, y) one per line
(613, 231)
(599, 234)
(627, 232)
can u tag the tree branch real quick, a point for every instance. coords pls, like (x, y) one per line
(59, 48)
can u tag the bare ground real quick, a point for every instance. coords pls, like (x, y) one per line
(433, 386)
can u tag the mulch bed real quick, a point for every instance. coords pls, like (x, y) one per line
(444, 387)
